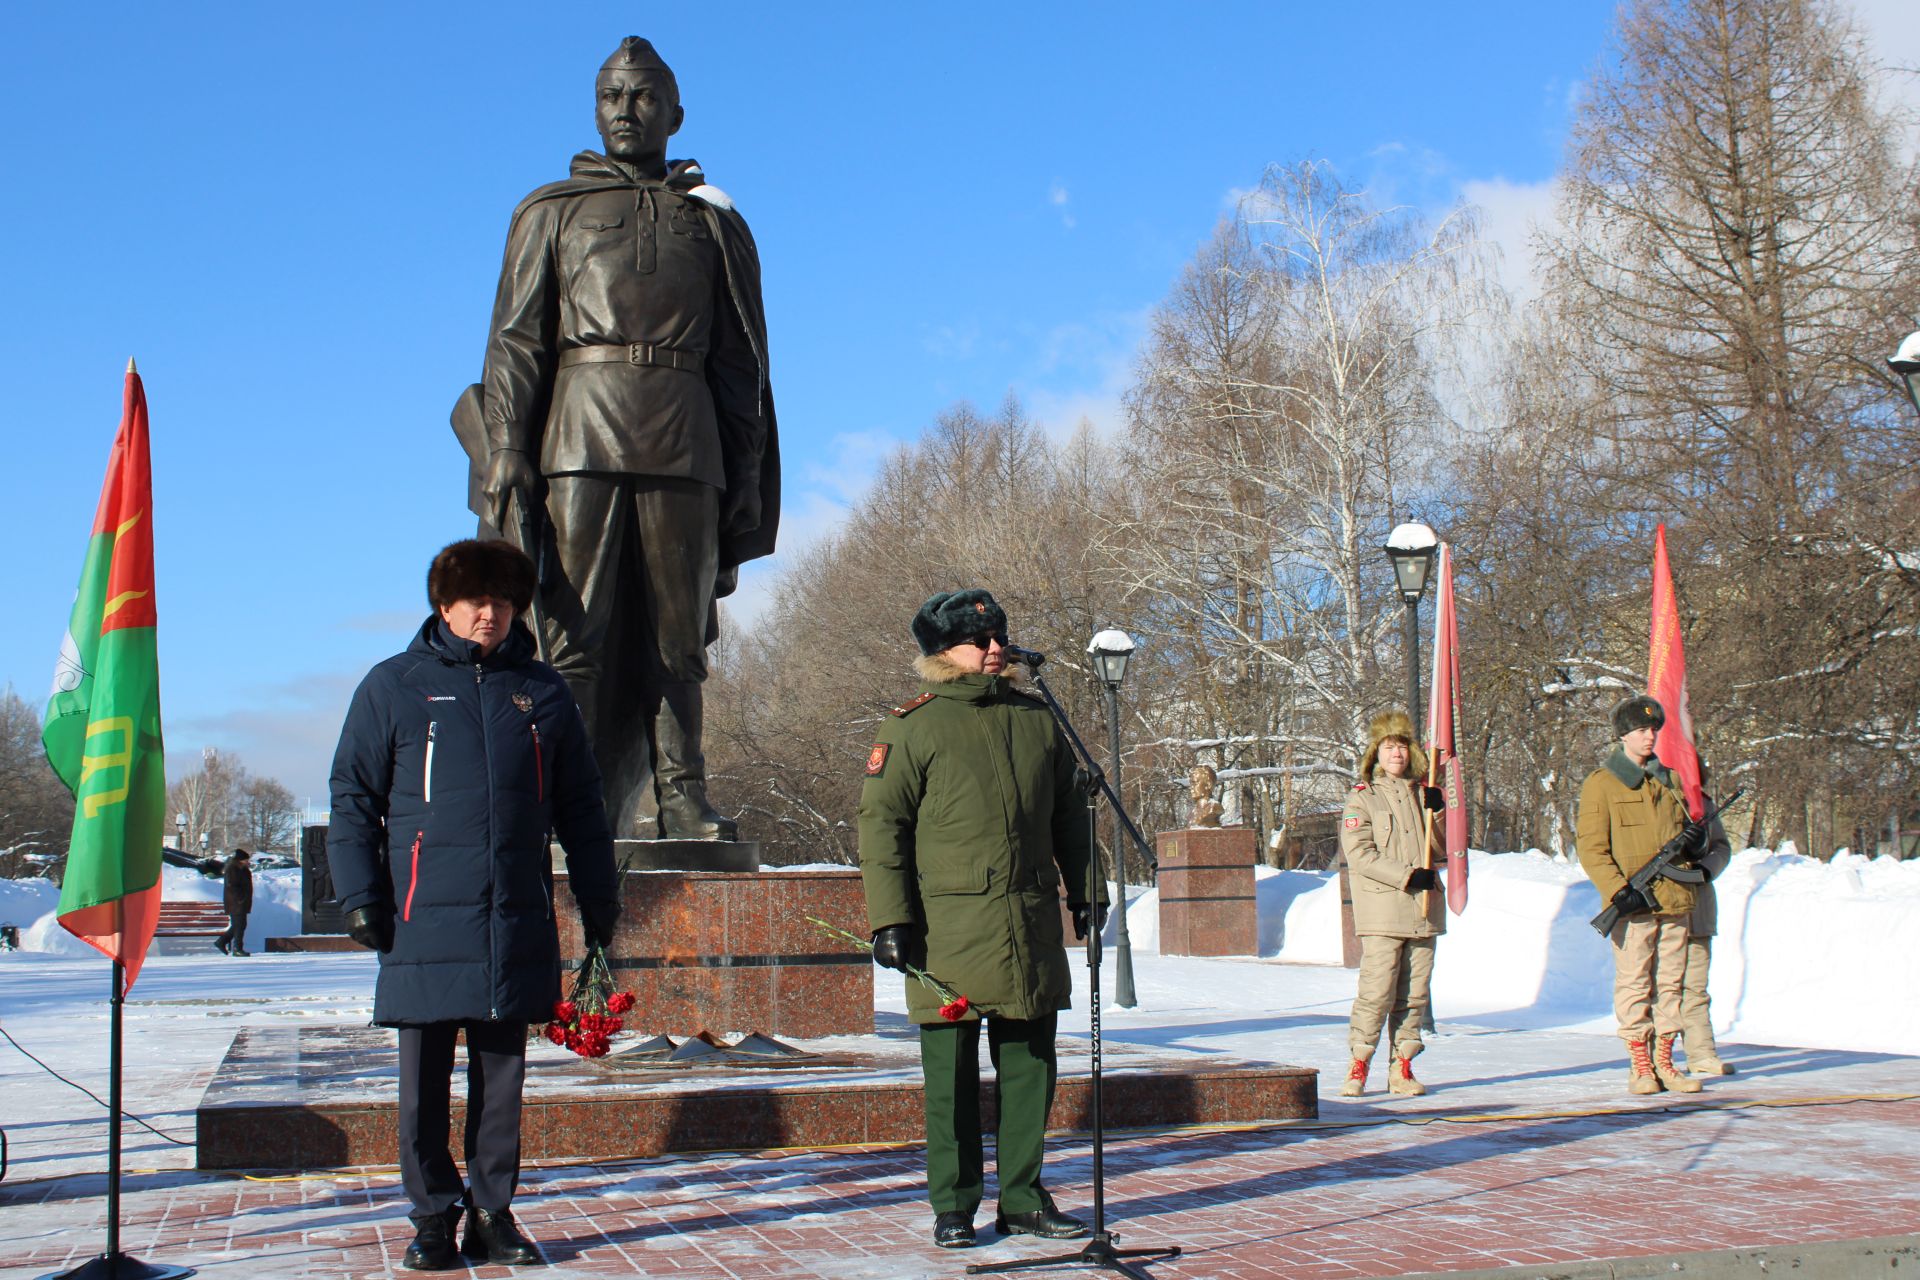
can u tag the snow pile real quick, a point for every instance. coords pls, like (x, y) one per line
(276, 907)
(1809, 953)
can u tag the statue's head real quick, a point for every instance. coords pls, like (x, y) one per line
(637, 104)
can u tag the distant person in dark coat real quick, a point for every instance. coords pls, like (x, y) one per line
(238, 899)
(457, 758)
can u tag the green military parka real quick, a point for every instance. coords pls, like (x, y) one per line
(969, 817)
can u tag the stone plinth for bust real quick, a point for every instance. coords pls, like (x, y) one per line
(1207, 905)
(721, 951)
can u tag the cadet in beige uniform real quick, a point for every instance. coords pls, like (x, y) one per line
(1629, 808)
(1384, 836)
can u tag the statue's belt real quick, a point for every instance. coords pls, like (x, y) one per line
(642, 353)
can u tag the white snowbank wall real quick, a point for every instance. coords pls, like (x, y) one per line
(1812, 954)
(32, 904)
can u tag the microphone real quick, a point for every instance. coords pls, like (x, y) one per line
(1014, 653)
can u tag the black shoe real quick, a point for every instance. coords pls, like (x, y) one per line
(493, 1236)
(953, 1229)
(432, 1248)
(240, 951)
(221, 947)
(1045, 1221)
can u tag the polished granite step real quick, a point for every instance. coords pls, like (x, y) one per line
(324, 1097)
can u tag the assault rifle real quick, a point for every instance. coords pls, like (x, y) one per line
(1674, 861)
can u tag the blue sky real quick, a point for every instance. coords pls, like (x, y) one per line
(293, 217)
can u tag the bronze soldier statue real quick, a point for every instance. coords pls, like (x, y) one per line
(626, 399)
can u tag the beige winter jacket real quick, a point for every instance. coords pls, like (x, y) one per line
(1380, 837)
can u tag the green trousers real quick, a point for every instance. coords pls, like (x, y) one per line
(1023, 1076)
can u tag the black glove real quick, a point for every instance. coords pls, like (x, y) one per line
(1420, 879)
(1434, 798)
(890, 947)
(1082, 913)
(1631, 901)
(598, 921)
(371, 926)
(1695, 835)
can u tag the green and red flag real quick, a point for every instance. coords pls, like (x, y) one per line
(102, 731)
(1667, 682)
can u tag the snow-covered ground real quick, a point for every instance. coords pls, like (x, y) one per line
(1813, 981)
(32, 904)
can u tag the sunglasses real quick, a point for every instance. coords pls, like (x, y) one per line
(982, 642)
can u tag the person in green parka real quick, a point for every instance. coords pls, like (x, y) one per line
(970, 814)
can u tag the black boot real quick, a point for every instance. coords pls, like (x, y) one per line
(953, 1229)
(1045, 1221)
(493, 1237)
(685, 813)
(432, 1248)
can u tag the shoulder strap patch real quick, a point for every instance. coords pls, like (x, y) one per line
(908, 708)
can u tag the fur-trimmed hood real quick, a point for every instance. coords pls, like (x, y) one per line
(938, 668)
(1392, 724)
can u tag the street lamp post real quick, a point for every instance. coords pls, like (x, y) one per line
(1110, 651)
(1906, 363)
(1411, 548)
(180, 832)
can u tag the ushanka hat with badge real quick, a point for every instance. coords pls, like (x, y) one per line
(1637, 713)
(476, 569)
(950, 617)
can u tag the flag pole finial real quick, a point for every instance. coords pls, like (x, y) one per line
(130, 368)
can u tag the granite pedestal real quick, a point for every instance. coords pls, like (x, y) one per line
(1207, 905)
(735, 952)
(324, 1097)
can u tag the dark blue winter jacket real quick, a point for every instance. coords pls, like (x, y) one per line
(450, 770)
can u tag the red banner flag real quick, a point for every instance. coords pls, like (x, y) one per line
(1667, 681)
(1443, 720)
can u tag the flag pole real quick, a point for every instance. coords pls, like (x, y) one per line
(112, 1264)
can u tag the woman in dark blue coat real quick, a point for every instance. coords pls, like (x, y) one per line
(457, 758)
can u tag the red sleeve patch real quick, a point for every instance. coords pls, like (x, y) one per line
(877, 759)
(1352, 823)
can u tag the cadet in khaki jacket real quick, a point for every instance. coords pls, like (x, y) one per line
(1629, 808)
(1390, 850)
(970, 815)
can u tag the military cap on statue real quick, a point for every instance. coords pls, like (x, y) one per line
(1637, 713)
(952, 616)
(637, 54)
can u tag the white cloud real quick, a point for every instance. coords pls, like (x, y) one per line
(1510, 214)
(285, 731)
(1057, 197)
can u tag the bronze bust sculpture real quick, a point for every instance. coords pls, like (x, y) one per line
(625, 399)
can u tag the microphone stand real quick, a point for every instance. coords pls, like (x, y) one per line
(1099, 1251)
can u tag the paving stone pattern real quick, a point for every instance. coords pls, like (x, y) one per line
(1300, 1203)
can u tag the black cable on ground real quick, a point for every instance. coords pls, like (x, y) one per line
(178, 1142)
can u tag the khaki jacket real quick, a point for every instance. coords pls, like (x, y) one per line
(970, 818)
(1622, 827)
(1380, 836)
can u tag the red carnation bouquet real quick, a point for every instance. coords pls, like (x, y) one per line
(587, 1020)
(953, 1005)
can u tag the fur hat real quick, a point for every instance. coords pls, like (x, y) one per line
(1392, 724)
(1637, 713)
(472, 569)
(952, 616)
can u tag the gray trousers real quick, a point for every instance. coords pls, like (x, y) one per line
(496, 1070)
(1396, 981)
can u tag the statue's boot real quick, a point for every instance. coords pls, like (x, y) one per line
(685, 813)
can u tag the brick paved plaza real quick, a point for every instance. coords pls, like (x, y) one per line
(1528, 1150)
